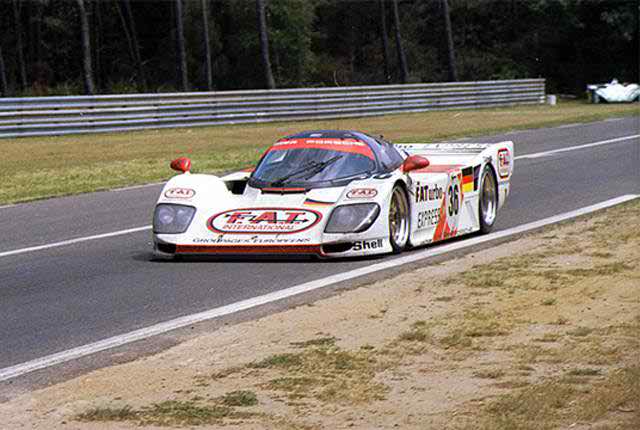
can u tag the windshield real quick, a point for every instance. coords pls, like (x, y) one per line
(302, 162)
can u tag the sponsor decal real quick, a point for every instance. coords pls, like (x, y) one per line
(426, 193)
(467, 180)
(342, 145)
(447, 147)
(428, 218)
(362, 193)
(264, 221)
(179, 193)
(251, 240)
(504, 162)
(364, 245)
(449, 211)
(249, 249)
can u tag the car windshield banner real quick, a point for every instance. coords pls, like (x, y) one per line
(353, 146)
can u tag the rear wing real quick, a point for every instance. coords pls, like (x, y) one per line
(447, 148)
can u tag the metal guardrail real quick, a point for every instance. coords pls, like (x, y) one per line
(50, 116)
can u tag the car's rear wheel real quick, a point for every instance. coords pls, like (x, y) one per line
(399, 219)
(488, 200)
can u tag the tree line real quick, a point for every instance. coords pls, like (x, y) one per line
(114, 46)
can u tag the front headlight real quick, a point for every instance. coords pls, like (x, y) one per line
(172, 219)
(352, 218)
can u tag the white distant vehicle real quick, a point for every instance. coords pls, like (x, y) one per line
(334, 193)
(615, 92)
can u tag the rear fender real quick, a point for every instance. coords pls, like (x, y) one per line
(500, 157)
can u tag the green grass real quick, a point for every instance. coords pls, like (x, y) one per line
(326, 373)
(107, 413)
(282, 361)
(580, 332)
(239, 398)
(35, 168)
(557, 403)
(584, 372)
(319, 342)
(183, 413)
(169, 413)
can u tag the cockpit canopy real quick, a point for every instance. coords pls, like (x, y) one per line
(324, 158)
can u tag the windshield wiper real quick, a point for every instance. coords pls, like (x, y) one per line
(313, 168)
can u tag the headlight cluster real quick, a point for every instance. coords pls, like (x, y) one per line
(352, 218)
(172, 219)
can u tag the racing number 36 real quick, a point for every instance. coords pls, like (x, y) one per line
(454, 199)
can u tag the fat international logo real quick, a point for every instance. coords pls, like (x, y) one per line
(264, 221)
(362, 193)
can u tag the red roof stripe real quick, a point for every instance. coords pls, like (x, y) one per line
(353, 146)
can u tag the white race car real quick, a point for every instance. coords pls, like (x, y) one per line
(334, 193)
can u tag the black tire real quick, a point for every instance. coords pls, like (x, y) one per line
(488, 199)
(399, 219)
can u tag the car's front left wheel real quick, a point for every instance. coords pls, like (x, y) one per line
(399, 219)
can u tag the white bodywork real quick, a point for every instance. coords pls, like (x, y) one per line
(443, 204)
(615, 92)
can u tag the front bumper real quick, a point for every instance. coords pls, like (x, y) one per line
(334, 249)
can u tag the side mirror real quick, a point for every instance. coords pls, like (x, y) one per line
(414, 162)
(182, 164)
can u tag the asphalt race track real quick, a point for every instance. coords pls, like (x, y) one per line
(58, 298)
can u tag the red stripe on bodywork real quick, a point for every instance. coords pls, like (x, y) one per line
(249, 249)
(341, 145)
(443, 231)
(442, 222)
(438, 168)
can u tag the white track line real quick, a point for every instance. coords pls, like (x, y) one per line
(72, 241)
(133, 230)
(185, 321)
(574, 148)
(575, 124)
(135, 187)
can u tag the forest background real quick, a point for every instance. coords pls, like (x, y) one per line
(52, 47)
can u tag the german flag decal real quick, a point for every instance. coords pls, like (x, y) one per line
(310, 202)
(468, 184)
(476, 176)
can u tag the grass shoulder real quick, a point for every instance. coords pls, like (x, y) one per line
(37, 168)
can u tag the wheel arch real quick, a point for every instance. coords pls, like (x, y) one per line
(401, 182)
(492, 171)
(492, 168)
